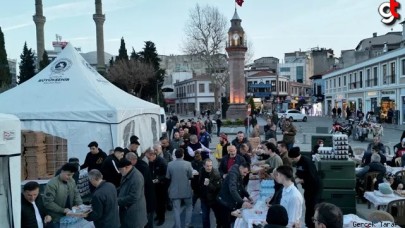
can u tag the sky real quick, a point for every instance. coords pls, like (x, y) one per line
(273, 26)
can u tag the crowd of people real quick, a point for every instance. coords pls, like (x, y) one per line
(133, 188)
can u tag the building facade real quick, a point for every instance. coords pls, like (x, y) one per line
(371, 47)
(194, 94)
(377, 84)
(295, 67)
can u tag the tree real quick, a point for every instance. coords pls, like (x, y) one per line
(5, 76)
(134, 55)
(149, 55)
(27, 64)
(131, 76)
(206, 34)
(44, 62)
(122, 52)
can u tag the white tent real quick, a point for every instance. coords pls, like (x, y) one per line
(70, 99)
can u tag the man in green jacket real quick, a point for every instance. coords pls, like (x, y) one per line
(61, 194)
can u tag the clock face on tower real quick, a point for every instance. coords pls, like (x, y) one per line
(235, 36)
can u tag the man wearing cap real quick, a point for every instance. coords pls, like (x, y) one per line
(131, 196)
(289, 131)
(133, 145)
(94, 158)
(307, 176)
(61, 194)
(110, 169)
(221, 149)
(205, 137)
(291, 198)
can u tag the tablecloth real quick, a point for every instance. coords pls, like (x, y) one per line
(378, 199)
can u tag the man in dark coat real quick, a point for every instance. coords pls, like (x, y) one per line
(229, 160)
(307, 176)
(104, 202)
(149, 187)
(367, 156)
(158, 168)
(32, 207)
(209, 184)
(219, 125)
(94, 158)
(133, 145)
(110, 167)
(233, 195)
(131, 197)
(239, 140)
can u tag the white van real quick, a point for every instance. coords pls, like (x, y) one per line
(163, 120)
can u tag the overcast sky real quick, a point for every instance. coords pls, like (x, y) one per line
(274, 26)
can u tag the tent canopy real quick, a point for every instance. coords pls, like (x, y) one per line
(70, 99)
(71, 89)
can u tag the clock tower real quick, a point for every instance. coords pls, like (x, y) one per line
(236, 49)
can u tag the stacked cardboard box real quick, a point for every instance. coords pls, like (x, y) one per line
(42, 155)
(33, 143)
(56, 152)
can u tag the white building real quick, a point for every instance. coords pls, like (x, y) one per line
(294, 71)
(194, 94)
(377, 84)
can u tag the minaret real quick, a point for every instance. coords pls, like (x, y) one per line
(99, 18)
(236, 48)
(39, 20)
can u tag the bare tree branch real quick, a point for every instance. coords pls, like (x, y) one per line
(131, 75)
(206, 35)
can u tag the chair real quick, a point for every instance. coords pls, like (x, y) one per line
(400, 175)
(397, 209)
(380, 216)
(368, 184)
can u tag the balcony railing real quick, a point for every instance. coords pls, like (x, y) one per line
(389, 79)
